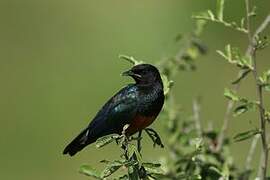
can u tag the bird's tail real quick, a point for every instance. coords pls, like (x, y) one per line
(79, 143)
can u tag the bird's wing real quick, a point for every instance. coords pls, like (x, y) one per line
(117, 112)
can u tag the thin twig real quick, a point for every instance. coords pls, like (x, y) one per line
(196, 115)
(226, 122)
(258, 31)
(252, 151)
(259, 173)
(252, 55)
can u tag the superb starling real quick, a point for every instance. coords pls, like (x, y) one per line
(136, 104)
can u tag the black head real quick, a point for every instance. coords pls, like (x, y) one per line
(144, 74)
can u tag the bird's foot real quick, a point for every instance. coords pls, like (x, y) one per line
(154, 137)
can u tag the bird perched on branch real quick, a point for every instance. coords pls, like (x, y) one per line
(136, 104)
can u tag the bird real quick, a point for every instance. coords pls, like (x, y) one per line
(137, 104)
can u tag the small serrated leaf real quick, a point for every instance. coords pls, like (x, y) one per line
(89, 171)
(166, 83)
(151, 165)
(111, 168)
(228, 51)
(265, 77)
(216, 170)
(154, 170)
(131, 59)
(242, 75)
(132, 150)
(231, 95)
(222, 54)
(100, 142)
(266, 87)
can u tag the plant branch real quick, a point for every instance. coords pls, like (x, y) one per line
(252, 151)
(231, 103)
(252, 54)
(196, 114)
(226, 121)
(258, 31)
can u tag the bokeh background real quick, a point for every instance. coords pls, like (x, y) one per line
(59, 64)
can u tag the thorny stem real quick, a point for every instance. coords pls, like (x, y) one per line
(252, 55)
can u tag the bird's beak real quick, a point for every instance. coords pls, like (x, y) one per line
(131, 73)
(127, 73)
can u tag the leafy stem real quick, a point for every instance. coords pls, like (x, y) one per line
(252, 54)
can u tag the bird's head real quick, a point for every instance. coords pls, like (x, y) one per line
(144, 74)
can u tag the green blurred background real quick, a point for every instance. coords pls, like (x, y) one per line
(59, 64)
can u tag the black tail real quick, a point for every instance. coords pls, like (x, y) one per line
(79, 143)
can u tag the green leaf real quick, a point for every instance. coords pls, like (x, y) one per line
(132, 173)
(227, 54)
(216, 170)
(233, 56)
(220, 9)
(245, 106)
(89, 171)
(111, 168)
(154, 170)
(253, 12)
(106, 140)
(246, 135)
(197, 142)
(228, 51)
(122, 177)
(231, 95)
(166, 83)
(242, 75)
(261, 42)
(266, 87)
(226, 171)
(132, 150)
(151, 165)
(131, 59)
(265, 77)
(244, 62)
(240, 109)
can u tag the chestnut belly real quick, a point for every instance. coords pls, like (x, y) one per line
(139, 123)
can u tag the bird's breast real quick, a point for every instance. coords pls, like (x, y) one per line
(150, 103)
(140, 122)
